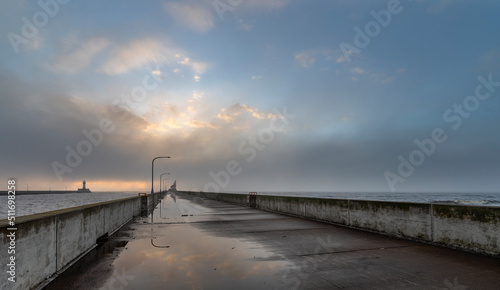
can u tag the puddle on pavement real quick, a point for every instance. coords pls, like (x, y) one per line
(195, 260)
(173, 253)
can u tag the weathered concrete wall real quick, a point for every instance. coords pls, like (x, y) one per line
(35, 245)
(405, 220)
(233, 198)
(470, 228)
(281, 204)
(48, 243)
(473, 228)
(329, 210)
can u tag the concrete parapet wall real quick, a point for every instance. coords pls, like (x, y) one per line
(48, 243)
(405, 220)
(470, 228)
(329, 210)
(474, 228)
(233, 198)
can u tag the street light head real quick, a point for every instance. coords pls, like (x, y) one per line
(152, 171)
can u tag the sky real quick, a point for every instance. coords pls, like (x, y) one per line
(251, 95)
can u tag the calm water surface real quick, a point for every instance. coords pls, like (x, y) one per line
(31, 204)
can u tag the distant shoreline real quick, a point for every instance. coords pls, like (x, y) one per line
(37, 192)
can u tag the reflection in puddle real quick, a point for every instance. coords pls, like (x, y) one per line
(172, 253)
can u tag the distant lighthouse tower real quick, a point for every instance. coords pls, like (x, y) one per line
(84, 188)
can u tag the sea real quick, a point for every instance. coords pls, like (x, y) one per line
(32, 204)
(39, 203)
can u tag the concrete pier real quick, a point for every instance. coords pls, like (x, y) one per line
(465, 227)
(37, 192)
(191, 242)
(41, 246)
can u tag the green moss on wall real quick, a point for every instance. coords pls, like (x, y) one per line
(479, 214)
(376, 206)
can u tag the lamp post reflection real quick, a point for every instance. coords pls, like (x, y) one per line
(161, 176)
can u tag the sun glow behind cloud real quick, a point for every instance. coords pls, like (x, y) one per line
(196, 116)
(213, 83)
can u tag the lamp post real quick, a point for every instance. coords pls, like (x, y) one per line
(153, 169)
(161, 176)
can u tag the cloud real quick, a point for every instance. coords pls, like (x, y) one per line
(382, 78)
(229, 114)
(256, 77)
(244, 26)
(39, 126)
(197, 67)
(201, 124)
(136, 54)
(358, 70)
(160, 107)
(140, 52)
(72, 62)
(194, 17)
(305, 60)
(266, 4)
(376, 77)
(197, 96)
(56, 121)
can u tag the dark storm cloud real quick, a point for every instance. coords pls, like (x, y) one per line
(38, 124)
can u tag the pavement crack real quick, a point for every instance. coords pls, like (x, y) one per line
(353, 251)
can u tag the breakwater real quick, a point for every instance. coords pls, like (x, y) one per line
(46, 244)
(469, 228)
(36, 192)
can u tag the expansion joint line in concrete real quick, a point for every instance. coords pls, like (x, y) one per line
(352, 251)
(433, 238)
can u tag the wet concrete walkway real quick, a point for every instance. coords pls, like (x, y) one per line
(194, 243)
